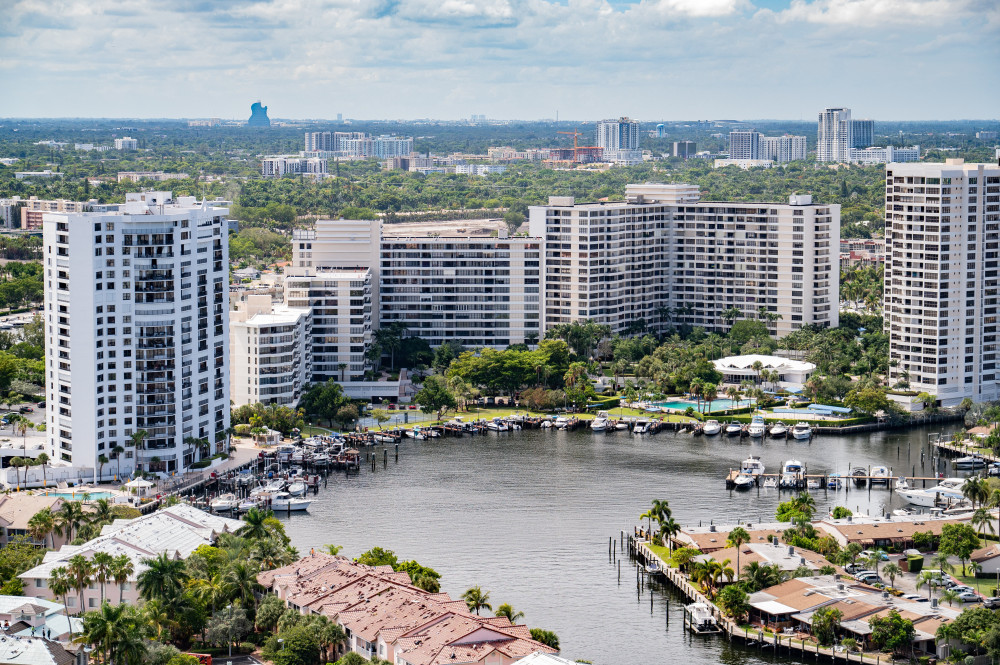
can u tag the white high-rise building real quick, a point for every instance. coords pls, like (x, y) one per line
(270, 351)
(137, 318)
(126, 143)
(279, 165)
(783, 148)
(745, 144)
(887, 155)
(941, 228)
(835, 136)
(619, 140)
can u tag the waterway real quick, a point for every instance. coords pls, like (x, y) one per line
(527, 516)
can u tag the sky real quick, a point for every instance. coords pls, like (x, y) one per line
(506, 59)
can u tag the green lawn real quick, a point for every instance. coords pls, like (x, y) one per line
(314, 430)
(660, 551)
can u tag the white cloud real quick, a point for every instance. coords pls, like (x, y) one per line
(881, 12)
(696, 8)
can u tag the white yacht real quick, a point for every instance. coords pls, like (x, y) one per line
(640, 427)
(600, 422)
(880, 475)
(757, 426)
(734, 428)
(949, 489)
(700, 619)
(791, 473)
(712, 427)
(283, 501)
(297, 488)
(770, 483)
(901, 484)
(802, 430)
(779, 430)
(974, 461)
(743, 482)
(253, 501)
(562, 422)
(384, 438)
(224, 503)
(752, 465)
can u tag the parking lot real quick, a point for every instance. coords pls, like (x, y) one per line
(907, 582)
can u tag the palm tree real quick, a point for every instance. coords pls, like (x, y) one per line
(506, 610)
(925, 579)
(737, 538)
(702, 573)
(757, 366)
(41, 525)
(117, 452)
(115, 632)
(241, 583)
(975, 567)
(891, 570)
(333, 549)
(948, 596)
(103, 512)
(734, 395)
(80, 574)
(158, 619)
(70, 517)
(710, 392)
(103, 564)
(59, 585)
(163, 579)
(983, 521)
(42, 460)
(101, 461)
(121, 570)
(668, 529)
(255, 524)
(976, 490)
(17, 462)
(209, 590)
(138, 440)
(477, 599)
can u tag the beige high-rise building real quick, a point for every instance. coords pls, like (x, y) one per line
(270, 352)
(942, 224)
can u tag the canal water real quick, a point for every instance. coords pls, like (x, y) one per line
(527, 516)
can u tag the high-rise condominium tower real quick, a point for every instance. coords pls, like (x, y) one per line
(835, 136)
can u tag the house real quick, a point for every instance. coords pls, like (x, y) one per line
(17, 650)
(37, 617)
(712, 538)
(883, 532)
(989, 558)
(18, 508)
(785, 557)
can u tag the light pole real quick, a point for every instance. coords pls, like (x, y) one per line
(281, 641)
(231, 630)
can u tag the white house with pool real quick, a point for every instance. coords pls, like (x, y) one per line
(736, 369)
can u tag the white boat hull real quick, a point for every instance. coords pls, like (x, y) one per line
(285, 506)
(801, 436)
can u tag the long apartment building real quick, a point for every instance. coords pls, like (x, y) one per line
(270, 352)
(942, 225)
(663, 256)
(137, 335)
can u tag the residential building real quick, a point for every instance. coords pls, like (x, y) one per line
(33, 209)
(279, 165)
(862, 252)
(339, 301)
(685, 149)
(664, 251)
(409, 163)
(270, 352)
(126, 143)
(745, 164)
(18, 508)
(87, 147)
(481, 170)
(336, 243)
(137, 330)
(156, 176)
(783, 148)
(38, 623)
(863, 133)
(887, 155)
(986, 136)
(384, 615)
(175, 530)
(941, 225)
(835, 136)
(47, 173)
(316, 141)
(745, 145)
(619, 140)
(736, 369)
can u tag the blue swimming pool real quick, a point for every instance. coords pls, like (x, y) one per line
(717, 404)
(79, 496)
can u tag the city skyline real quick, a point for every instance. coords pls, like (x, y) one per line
(497, 58)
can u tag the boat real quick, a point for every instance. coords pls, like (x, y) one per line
(415, 433)
(771, 482)
(974, 461)
(903, 512)
(779, 430)
(600, 422)
(812, 483)
(743, 481)
(224, 503)
(712, 427)
(297, 488)
(284, 501)
(734, 429)
(562, 422)
(859, 475)
(319, 459)
(879, 475)
(834, 481)
(653, 567)
(757, 426)
(253, 501)
(640, 427)
(802, 430)
(791, 474)
(752, 465)
(275, 485)
(621, 425)
(949, 489)
(431, 433)
(700, 619)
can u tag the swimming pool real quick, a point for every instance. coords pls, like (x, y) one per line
(78, 496)
(717, 404)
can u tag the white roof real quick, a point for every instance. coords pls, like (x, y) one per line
(10, 603)
(540, 658)
(769, 362)
(29, 651)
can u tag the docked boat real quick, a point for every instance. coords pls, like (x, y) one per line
(297, 488)
(834, 481)
(640, 427)
(779, 430)
(254, 501)
(600, 422)
(275, 485)
(415, 433)
(949, 489)
(859, 475)
(757, 426)
(562, 422)
(653, 567)
(734, 429)
(700, 619)
(812, 483)
(743, 481)
(752, 465)
(283, 501)
(224, 503)
(712, 427)
(791, 474)
(802, 430)
(771, 483)
(431, 433)
(384, 438)
(974, 461)
(901, 484)
(621, 425)
(880, 475)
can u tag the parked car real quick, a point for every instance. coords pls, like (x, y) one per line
(863, 573)
(870, 553)
(872, 579)
(961, 588)
(26, 409)
(914, 597)
(993, 602)
(41, 405)
(969, 597)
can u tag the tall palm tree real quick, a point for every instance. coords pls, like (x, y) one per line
(59, 585)
(117, 452)
(70, 517)
(101, 461)
(103, 564)
(892, 571)
(506, 610)
(240, 582)
(163, 579)
(477, 599)
(41, 525)
(80, 573)
(102, 512)
(710, 393)
(116, 633)
(121, 570)
(976, 490)
(757, 366)
(255, 524)
(42, 460)
(159, 620)
(737, 538)
(668, 529)
(209, 590)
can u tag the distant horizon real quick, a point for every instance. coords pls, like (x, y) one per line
(467, 120)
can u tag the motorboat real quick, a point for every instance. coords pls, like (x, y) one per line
(779, 430)
(383, 438)
(879, 475)
(712, 427)
(562, 422)
(734, 429)
(415, 433)
(949, 489)
(901, 484)
(752, 465)
(802, 430)
(224, 503)
(640, 427)
(757, 426)
(253, 501)
(974, 461)
(600, 422)
(621, 425)
(700, 619)
(275, 485)
(431, 433)
(859, 475)
(771, 482)
(283, 501)
(319, 459)
(834, 481)
(297, 488)
(812, 483)
(653, 567)
(284, 453)
(743, 481)
(791, 474)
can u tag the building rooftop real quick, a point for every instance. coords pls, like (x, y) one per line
(17, 509)
(769, 362)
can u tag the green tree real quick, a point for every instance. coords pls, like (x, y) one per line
(840, 512)
(268, 613)
(103, 564)
(825, 624)
(163, 579)
(959, 540)
(734, 602)
(505, 610)
(80, 572)
(546, 637)
(115, 631)
(477, 599)
(435, 396)
(381, 416)
(737, 538)
(299, 646)
(228, 626)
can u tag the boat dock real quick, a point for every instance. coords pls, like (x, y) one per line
(846, 480)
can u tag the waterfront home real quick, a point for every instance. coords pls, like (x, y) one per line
(17, 509)
(711, 538)
(785, 557)
(384, 615)
(17, 650)
(883, 532)
(736, 369)
(177, 530)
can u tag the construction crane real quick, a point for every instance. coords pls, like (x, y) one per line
(576, 147)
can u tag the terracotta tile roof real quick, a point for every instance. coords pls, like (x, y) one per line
(709, 541)
(17, 509)
(883, 530)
